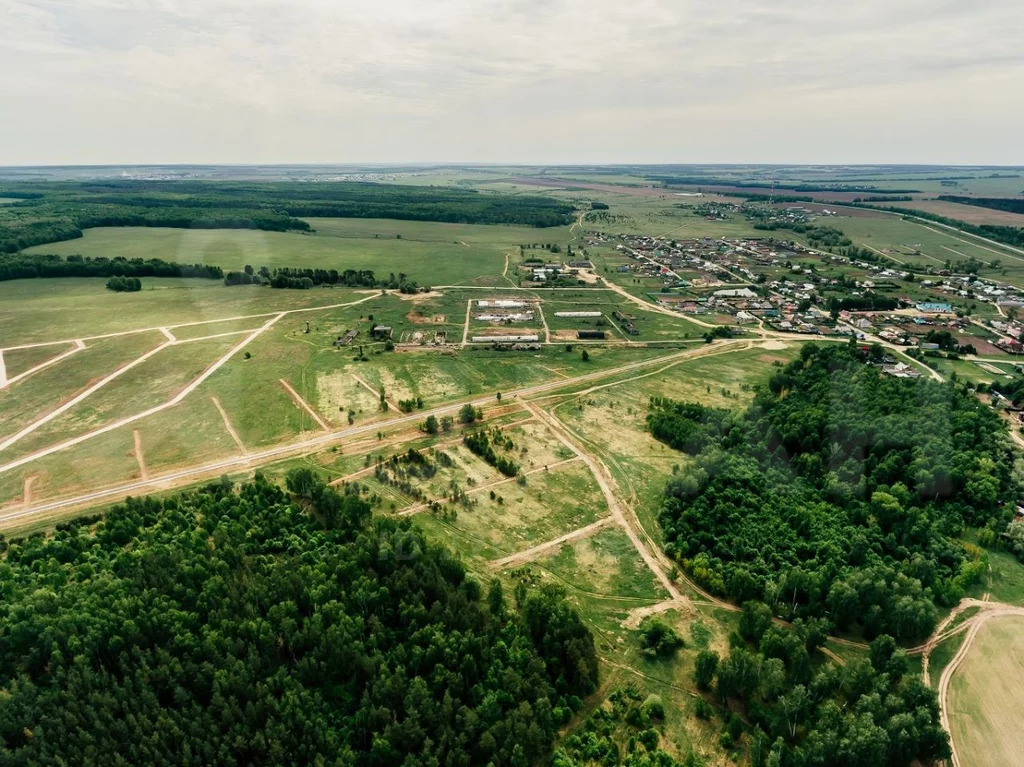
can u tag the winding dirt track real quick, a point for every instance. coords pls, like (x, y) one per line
(989, 610)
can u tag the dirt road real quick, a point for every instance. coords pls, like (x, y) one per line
(988, 611)
(605, 481)
(191, 474)
(298, 400)
(521, 557)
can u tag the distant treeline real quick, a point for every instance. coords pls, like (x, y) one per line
(995, 203)
(790, 186)
(27, 266)
(303, 279)
(50, 212)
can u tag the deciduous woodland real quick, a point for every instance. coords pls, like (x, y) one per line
(50, 213)
(837, 494)
(28, 266)
(259, 627)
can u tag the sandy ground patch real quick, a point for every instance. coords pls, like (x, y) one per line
(421, 319)
(416, 297)
(339, 390)
(775, 345)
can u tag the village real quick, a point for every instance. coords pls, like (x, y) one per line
(788, 287)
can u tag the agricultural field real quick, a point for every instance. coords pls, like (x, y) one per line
(429, 253)
(928, 246)
(986, 696)
(972, 214)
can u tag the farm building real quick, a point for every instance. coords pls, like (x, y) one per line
(735, 293)
(500, 303)
(585, 335)
(380, 332)
(581, 265)
(505, 339)
(577, 314)
(346, 339)
(504, 316)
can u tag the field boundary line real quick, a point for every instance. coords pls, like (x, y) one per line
(271, 454)
(77, 346)
(375, 392)
(26, 494)
(297, 399)
(618, 514)
(227, 425)
(43, 420)
(540, 549)
(137, 416)
(159, 328)
(139, 458)
(215, 335)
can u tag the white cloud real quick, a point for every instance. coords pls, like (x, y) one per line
(510, 80)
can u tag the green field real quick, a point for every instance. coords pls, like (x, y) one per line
(929, 246)
(430, 253)
(35, 311)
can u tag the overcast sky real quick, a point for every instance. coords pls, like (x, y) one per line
(531, 81)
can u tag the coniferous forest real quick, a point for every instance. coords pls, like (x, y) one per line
(260, 626)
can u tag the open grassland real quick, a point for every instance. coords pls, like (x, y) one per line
(437, 233)
(148, 384)
(1005, 579)
(18, 361)
(987, 695)
(27, 400)
(108, 459)
(547, 505)
(604, 564)
(447, 254)
(37, 311)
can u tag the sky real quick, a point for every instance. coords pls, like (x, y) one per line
(511, 81)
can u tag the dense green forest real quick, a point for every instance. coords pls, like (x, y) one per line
(838, 493)
(26, 266)
(50, 212)
(251, 626)
(870, 713)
